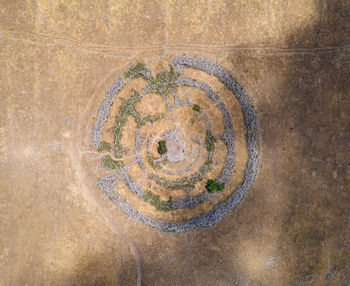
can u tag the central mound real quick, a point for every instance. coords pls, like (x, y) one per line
(166, 138)
(176, 146)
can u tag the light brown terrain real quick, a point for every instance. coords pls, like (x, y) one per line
(58, 59)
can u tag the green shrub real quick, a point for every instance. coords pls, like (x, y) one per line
(162, 149)
(212, 186)
(220, 187)
(196, 107)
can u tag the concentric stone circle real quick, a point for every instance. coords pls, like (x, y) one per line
(164, 85)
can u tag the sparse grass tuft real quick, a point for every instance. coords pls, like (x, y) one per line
(164, 81)
(151, 161)
(135, 70)
(209, 141)
(109, 163)
(157, 203)
(104, 146)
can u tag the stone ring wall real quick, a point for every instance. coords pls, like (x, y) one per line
(169, 193)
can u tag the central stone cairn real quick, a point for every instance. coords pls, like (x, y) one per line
(166, 137)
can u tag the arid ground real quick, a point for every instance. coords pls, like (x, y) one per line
(252, 94)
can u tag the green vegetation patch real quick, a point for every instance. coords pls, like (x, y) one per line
(136, 70)
(104, 146)
(206, 166)
(149, 118)
(196, 107)
(155, 201)
(220, 187)
(109, 163)
(162, 149)
(186, 182)
(212, 186)
(164, 81)
(151, 161)
(127, 108)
